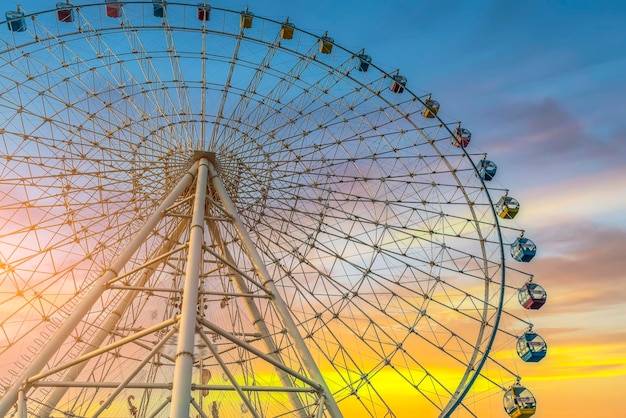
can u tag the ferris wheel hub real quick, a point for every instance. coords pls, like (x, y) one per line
(209, 155)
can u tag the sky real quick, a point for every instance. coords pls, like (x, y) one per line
(541, 85)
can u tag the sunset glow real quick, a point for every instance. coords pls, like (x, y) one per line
(369, 228)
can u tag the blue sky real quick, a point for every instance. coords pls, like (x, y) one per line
(542, 87)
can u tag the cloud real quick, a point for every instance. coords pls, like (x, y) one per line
(585, 273)
(549, 138)
(577, 199)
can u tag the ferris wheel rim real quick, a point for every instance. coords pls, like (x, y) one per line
(494, 327)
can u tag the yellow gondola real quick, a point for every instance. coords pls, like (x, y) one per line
(507, 207)
(431, 108)
(287, 29)
(246, 19)
(326, 44)
(519, 402)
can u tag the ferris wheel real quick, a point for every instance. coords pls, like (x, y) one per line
(208, 213)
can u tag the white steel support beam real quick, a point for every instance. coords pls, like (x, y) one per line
(22, 411)
(109, 325)
(268, 358)
(92, 296)
(96, 352)
(132, 375)
(160, 407)
(228, 374)
(257, 317)
(183, 366)
(198, 409)
(280, 305)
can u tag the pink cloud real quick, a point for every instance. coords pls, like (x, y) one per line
(543, 131)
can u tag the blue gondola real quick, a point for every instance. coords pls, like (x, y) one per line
(158, 8)
(532, 296)
(65, 12)
(461, 137)
(531, 347)
(523, 249)
(15, 21)
(507, 207)
(113, 8)
(487, 169)
(431, 108)
(363, 62)
(398, 82)
(204, 12)
(519, 402)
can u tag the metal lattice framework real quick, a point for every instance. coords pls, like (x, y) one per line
(203, 213)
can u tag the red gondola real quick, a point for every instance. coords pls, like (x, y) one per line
(462, 137)
(532, 296)
(65, 13)
(204, 12)
(113, 8)
(398, 83)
